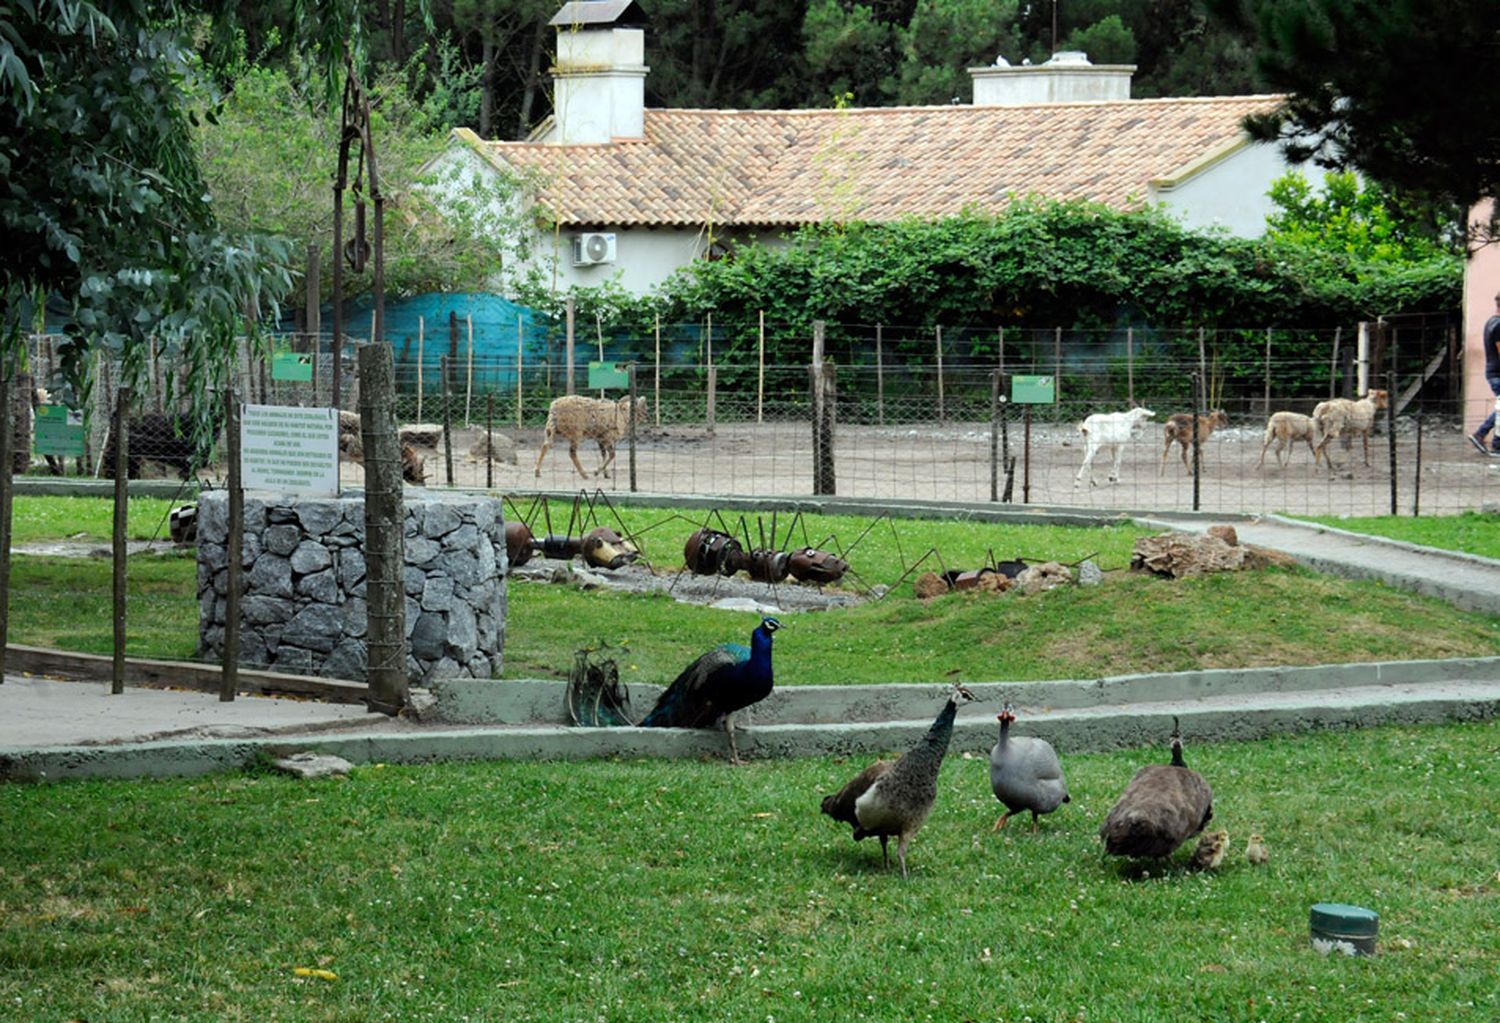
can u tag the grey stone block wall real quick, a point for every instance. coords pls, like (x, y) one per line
(303, 606)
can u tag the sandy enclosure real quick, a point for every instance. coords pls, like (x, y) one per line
(952, 462)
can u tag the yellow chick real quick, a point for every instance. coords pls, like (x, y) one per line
(1210, 852)
(1256, 851)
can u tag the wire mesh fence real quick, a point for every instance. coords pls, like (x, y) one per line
(914, 415)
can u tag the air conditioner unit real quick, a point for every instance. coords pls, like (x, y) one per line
(589, 249)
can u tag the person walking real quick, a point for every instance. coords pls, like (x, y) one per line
(1491, 377)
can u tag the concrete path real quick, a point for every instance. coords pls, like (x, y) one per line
(1464, 580)
(51, 730)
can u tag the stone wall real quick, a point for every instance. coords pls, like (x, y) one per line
(303, 606)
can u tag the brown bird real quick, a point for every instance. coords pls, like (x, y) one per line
(1210, 852)
(895, 800)
(1256, 851)
(1163, 806)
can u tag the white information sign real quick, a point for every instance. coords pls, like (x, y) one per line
(291, 450)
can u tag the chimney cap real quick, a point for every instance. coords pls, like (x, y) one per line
(1063, 57)
(618, 13)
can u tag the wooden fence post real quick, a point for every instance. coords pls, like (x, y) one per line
(631, 370)
(942, 417)
(385, 514)
(520, 347)
(6, 490)
(122, 507)
(469, 382)
(1333, 363)
(1268, 373)
(568, 341)
(656, 395)
(421, 338)
(234, 551)
(1130, 364)
(822, 409)
(1056, 367)
(446, 365)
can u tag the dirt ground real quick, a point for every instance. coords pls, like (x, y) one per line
(952, 462)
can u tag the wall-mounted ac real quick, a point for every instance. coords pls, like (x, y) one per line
(592, 248)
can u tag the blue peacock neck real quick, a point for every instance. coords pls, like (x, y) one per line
(760, 651)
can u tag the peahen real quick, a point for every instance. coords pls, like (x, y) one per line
(728, 678)
(895, 800)
(1025, 773)
(1163, 806)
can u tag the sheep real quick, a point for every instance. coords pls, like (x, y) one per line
(1178, 429)
(1286, 429)
(1340, 417)
(1108, 430)
(576, 418)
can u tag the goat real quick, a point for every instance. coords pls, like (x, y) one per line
(351, 446)
(1340, 417)
(1108, 430)
(1178, 429)
(577, 418)
(1286, 429)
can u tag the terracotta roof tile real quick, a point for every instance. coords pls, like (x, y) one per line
(778, 168)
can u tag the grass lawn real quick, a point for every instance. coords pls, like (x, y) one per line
(1471, 532)
(1131, 623)
(657, 891)
(38, 519)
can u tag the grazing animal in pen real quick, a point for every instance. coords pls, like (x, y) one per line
(351, 446)
(1340, 417)
(579, 418)
(1025, 773)
(1285, 429)
(1163, 806)
(1178, 429)
(896, 801)
(1109, 430)
(728, 678)
(154, 437)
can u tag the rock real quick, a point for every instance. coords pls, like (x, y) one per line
(1090, 574)
(929, 585)
(1178, 555)
(310, 557)
(1046, 576)
(1225, 533)
(281, 539)
(313, 765)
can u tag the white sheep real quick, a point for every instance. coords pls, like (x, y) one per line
(1109, 430)
(1286, 429)
(1340, 417)
(577, 418)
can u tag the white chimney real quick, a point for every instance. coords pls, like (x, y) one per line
(600, 75)
(1067, 78)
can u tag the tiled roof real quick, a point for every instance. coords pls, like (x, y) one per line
(782, 168)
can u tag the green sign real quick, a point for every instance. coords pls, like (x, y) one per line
(608, 374)
(59, 431)
(1033, 390)
(292, 366)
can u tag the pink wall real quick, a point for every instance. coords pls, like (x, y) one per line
(1481, 283)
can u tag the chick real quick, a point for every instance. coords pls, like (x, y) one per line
(1256, 851)
(1210, 851)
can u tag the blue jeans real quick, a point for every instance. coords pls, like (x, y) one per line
(1489, 422)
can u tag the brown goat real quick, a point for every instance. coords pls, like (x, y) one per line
(1179, 430)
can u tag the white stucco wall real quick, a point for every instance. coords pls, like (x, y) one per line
(1230, 191)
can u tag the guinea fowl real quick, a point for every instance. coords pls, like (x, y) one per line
(1025, 773)
(895, 800)
(1163, 806)
(728, 678)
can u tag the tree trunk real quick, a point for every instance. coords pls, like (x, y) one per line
(533, 80)
(487, 86)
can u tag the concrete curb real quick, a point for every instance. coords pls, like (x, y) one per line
(1105, 714)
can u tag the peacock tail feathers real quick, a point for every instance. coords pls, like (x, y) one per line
(594, 695)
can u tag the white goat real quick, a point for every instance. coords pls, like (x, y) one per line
(1109, 430)
(578, 418)
(1286, 429)
(1340, 417)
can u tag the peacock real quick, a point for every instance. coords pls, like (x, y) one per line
(728, 678)
(1025, 773)
(1163, 806)
(895, 799)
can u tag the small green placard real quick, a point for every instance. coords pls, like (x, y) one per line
(59, 431)
(292, 366)
(608, 374)
(1033, 390)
